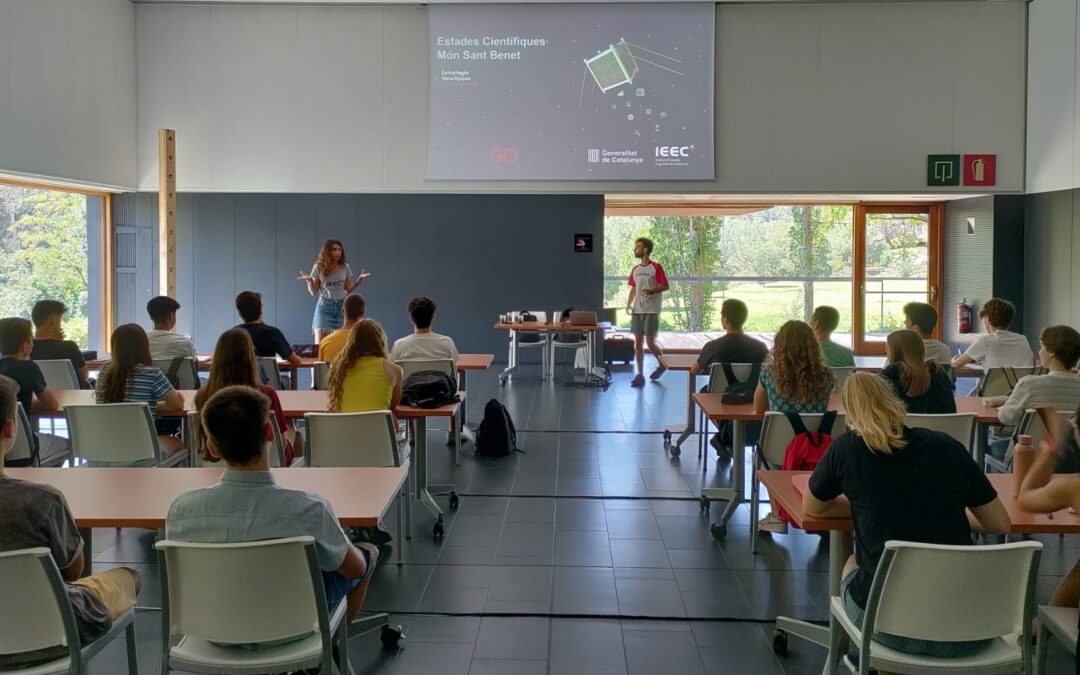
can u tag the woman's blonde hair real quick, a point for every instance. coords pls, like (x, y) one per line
(798, 365)
(906, 348)
(365, 339)
(874, 412)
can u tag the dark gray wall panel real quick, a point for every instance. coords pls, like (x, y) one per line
(1050, 235)
(966, 259)
(476, 255)
(185, 264)
(1009, 254)
(215, 256)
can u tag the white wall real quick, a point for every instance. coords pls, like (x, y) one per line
(1053, 117)
(67, 90)
(818, 98)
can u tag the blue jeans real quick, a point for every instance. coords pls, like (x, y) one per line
(934, 648)
(328, 314)
(337, 587)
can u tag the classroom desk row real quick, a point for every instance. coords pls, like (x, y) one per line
(683, 362)
(739, 415)
(295, 404)
(786, 489)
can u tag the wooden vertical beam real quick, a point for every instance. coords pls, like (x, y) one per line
(108, 274)
(167, 212)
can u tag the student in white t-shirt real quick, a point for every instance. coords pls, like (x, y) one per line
(165, 342)
(424, 343)
(999, 347)
(922, 318)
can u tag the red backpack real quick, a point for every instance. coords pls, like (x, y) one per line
(806, 449)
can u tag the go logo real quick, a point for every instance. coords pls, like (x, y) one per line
(504, 155)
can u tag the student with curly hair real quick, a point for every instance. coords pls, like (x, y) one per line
(362, 376)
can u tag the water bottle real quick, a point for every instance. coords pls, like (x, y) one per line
(1023, 458)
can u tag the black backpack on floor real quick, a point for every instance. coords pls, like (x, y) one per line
(428, 389)
(496, 436)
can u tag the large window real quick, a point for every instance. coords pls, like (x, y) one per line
(783, 261)
(50, 248)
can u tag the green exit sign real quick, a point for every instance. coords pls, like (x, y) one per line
(942, 170)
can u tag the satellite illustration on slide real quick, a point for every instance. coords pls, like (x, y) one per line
(571, 92)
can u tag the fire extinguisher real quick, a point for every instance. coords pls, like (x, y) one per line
(963, 316)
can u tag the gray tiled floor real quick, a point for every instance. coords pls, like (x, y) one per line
(551, 551)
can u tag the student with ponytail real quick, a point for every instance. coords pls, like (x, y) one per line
(904, 484)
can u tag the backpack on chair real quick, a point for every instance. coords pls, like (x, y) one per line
(496, 436)
(429, 389)
(806, 449)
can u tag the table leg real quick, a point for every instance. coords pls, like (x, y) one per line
(734, 494)
(511, 358)
(463, 427)
(294, 375)
(691, 412)
(979, 450)
(839, 550)
(423, 489)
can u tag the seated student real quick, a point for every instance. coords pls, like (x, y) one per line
(247, 505)
(234, 365)
(999, 347)
(924, 387)
(1042, 492)
(795, 380)
(33, 515)
(49, 342)
(165, 342)
(919, 467)
(353, 308)
(734, 346)
(362, 377)
(1059, 351)
(824, 321)
(131, 377)
(16, 341)
(922, 318)
(268, 340)
(424, 343)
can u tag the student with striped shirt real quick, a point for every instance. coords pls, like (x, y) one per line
(132, 377)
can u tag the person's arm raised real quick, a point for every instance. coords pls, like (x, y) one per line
(312, 282)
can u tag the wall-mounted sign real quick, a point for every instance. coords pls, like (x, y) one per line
(980, 170)
(942, 170)
(583, 243)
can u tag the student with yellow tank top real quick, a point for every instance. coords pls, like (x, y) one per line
(362, 376)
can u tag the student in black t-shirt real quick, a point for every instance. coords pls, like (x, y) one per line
(924, 386)
(269, 340)
(903, 484)
(49, 342)
(735, 346)
(16, 340)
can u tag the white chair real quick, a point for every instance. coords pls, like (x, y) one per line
(410, 366)
(718, 384)
(572, 340)
(933, 592)
(36, 614)
(187, 371)
(531, 339)
(320, 375)
(842, 373)
(22, 450)
(1031, 424)
(59, 373)
(366, 439)
(960, 426)
(776, 434)
(116, 434)
(193, 440)
(273, 373)
(252, 607)
(1000, 381)
(1059, 622)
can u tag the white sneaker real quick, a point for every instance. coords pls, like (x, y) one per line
(771, 523)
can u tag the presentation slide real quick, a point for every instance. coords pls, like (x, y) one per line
(571, 92)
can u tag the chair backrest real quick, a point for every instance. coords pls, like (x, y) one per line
(271, 370)
(187, 375)
(960, 426)
(1031, 424)
(776, 433)
(35, 612)
(194, 438)
(410, 366)
(1000, 381)
(935, 592)
(112, 433)
(842, 373)
(320, 375)
(59, 373)
(219, 592)
(365, 439)
(718, 383)
(23, 448)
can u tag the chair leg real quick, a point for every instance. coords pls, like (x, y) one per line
(132, 652)
(755, 503)
(1041, 649)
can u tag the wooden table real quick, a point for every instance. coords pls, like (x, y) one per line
(715, 411)
(593, 375)
(467, 362)
(786, 489)
(295, 404)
